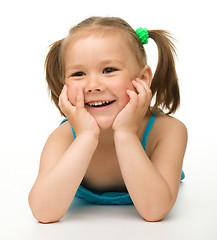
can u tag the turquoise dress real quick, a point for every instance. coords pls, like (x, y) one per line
(113, 198)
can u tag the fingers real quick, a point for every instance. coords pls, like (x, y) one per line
(141, 97)
(131, 94)
(133, 98)
(64, 103)
(63, 98)
(144, 91)
(79, 98)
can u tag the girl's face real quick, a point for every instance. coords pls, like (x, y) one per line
(104, 68)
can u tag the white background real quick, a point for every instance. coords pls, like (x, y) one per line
(27, 28)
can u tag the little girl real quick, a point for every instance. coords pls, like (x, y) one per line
(112, 147)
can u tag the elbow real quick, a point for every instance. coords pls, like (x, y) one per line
(157, 211)
(46, 218)
(152, 218)
(154, 214)
(42, 213)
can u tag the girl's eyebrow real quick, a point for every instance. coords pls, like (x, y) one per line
(111, 61)
(77, 66)
(103, 62)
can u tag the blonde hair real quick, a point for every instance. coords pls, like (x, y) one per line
(164, 85)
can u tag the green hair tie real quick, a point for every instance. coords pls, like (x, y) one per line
(143, 35)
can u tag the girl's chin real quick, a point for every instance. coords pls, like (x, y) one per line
(104, 123)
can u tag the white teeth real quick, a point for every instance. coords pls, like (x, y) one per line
(97, 103)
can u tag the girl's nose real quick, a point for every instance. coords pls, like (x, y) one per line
(93, 85)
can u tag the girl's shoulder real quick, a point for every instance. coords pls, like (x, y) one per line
(164, 120)
(62, 135)
(166, 124)
(64, 130)
(166, 128)
(57, 143)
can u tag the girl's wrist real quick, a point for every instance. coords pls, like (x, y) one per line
(123, 135)
(89, 138)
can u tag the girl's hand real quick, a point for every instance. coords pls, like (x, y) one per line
(79, 118)
(131, 116)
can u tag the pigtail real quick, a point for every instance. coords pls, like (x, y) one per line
(165, 80)
(54, 71)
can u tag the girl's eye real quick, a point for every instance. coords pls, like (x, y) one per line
(78, 74)
(109, 70)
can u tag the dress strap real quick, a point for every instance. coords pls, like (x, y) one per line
(73, 131)
(147, 130)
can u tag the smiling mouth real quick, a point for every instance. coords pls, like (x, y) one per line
(99, 104)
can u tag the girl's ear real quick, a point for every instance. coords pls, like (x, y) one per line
(146, 75)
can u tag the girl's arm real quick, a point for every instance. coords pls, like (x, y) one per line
(62, 167)
(64, 162)
(153, 182)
